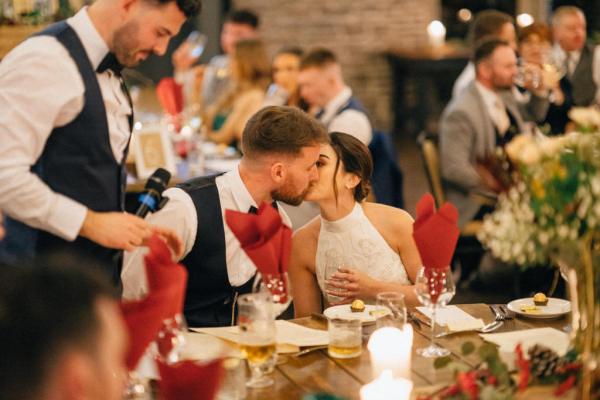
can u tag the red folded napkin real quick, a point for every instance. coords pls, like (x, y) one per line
(435, 234)
(166, 290)
(189, 380)
(170, 96)
(266, 240)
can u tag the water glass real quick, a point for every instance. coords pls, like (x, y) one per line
(234, 381)
(391, 310)
(345, 338)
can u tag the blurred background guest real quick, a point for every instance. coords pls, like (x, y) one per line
(214, 78)
(2, 231)
(356, 249)
(322, 86)
(61, 333)
(486, 24)
(284, 91)
(535, 48)
(581, 61)
(483, 116)
(250, 74)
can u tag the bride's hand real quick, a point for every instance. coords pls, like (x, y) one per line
(350, 284)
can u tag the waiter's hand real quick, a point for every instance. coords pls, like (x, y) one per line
(115, 230)
(171, 238)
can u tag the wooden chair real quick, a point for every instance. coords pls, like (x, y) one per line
(468, 249)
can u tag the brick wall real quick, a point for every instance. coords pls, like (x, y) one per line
(359, 31)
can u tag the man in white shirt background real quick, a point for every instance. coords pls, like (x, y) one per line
(65, 124)
(322, 86)
(280, 150)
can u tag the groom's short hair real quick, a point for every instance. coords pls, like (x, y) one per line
(281, 130)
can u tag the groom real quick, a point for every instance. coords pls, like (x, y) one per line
(281, 148)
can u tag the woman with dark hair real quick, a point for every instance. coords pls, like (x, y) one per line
(355, 249)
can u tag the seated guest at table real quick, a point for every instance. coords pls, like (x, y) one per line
(284, 90)
(213, 78)
(483, 116)
(486, 24)
(61, 333)
(281, 149)
(535, 48)
(250, 74)
(355, 249)
(581, 83)
(329, 98)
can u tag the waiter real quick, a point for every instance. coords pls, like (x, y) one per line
(65, 125)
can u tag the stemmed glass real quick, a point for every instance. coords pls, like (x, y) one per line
(434, 287)
(170, 340)
(257, 329)
(278, 288)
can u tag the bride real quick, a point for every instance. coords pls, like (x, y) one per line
(354, 249)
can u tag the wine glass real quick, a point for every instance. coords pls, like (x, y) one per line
(333, 261)
(171, 340)
(197, 43)
(434, 287)
(257, 339)
(278, 288)
(392, 304)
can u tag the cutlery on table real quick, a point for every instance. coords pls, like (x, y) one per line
(507, 313)
(492, 326)
(499, 315)
(309, 350)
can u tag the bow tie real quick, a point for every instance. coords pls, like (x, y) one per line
(254, 210)
(110, 62)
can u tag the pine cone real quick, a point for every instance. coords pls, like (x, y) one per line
(543, 362)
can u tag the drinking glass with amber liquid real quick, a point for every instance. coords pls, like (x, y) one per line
(257, 327)
(345, 338)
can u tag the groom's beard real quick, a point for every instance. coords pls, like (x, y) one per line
(289, 195)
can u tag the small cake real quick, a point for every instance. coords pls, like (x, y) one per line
(357, 306)
(540, 299)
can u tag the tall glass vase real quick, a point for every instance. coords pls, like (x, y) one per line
(580, 264)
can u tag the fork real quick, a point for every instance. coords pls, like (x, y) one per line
(507, 313)
(500, 316)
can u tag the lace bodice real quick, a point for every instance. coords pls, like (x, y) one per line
(354, 242)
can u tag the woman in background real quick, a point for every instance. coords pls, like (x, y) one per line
(284, 89)
(250, 73)
(355, 249)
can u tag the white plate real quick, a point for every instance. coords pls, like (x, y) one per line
(343, 311)
(554, 309)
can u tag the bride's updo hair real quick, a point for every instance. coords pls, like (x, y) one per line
(356, 159)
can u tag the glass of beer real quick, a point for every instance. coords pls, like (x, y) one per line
(345, 338)
(257, 327)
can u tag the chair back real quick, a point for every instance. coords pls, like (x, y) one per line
(387, 177)
(428, 143)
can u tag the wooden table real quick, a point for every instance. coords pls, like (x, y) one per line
(317, 372)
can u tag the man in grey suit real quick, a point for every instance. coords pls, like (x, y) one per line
(485, 115)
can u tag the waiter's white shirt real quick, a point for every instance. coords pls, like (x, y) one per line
(180, 215)
(41, 89)
(352, 122)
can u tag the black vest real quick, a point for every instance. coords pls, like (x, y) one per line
(77, 162)
(210, 299)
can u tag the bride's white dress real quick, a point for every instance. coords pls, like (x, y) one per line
(354, 242)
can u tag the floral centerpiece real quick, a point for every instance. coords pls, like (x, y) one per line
(551, 214)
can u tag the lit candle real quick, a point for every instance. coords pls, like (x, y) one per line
(386, 388)
(391, 348)
(437, 33)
